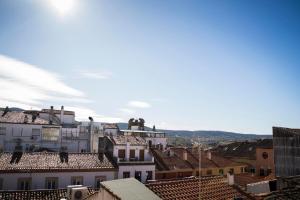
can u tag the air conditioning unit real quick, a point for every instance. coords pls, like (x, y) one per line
(79, 193)
(69, 190)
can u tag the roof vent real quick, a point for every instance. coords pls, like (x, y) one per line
(6, 110)
(34, 116)
(63, 155)
(17, 155)
(25, 119)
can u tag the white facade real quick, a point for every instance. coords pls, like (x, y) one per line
(157, 138)
(139, 166)
(28, 135)
(132, 169)
(38, 180)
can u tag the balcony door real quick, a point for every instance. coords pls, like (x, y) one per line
(142, 152)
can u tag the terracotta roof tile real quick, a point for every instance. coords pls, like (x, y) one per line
(133, 140)
(208, 188)
(51, 161)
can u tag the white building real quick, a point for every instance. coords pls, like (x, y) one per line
(125, 189)
(47, 129)
(154, 138)
(132, 155)
(30, 171)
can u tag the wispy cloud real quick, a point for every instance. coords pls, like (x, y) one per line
(127, 111)
(139, 104)
(95, 75)
(82, 114)
(30, 87)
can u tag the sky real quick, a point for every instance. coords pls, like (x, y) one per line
(227, 65)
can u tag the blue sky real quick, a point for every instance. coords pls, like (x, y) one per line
(199, 65)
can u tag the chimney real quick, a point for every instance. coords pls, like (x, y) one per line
(63, 155)
(6, 110)
(17, 154)
(230, 178)
(62, 115)
(25, 119)
(51, 113)
(171, 152)
(184, 154)
(209, 155)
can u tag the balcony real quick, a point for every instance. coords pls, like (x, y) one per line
(134, 161)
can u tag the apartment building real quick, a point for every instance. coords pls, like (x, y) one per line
(47, 129)
(45, 170)
(154, 138)
(131, 154)
(183, 162)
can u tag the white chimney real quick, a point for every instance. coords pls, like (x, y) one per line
(127, 151)
(230, 179)
(184, 155)
(62, 115)
(208, 155)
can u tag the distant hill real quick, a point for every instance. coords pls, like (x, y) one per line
(12, 109)
(206, 134)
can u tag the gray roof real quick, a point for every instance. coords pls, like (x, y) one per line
(129, 189)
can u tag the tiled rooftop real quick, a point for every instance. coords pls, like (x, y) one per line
(110, 126)
(167, 161)
(133, 140)
(243, 149)
(66, 112)
(38, 194)
(51, 162)
(247, 178)
(208, 188)
(18, 117)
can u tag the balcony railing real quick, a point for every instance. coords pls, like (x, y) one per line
(134, 160)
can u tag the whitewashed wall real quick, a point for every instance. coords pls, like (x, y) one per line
(10, 181)
(24, 132)
(133, 168)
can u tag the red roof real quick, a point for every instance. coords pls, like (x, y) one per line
(208, 188)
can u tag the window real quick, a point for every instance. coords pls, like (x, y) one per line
(2, 130)
(121, 153)
(261, 172)
(36, 132)
(132, 154)
(242, 169)
(269, 171)
(51, 183)
(209, 172)
(126, 174)
(252, 170)
(24, 183)
(77, 180)
(221, 171)
(149, 175)
(98, 180)
(138, 175)
(142, 155)
(50, 134)
(265, 155)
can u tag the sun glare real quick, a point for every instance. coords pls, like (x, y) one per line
(63, 6)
